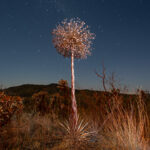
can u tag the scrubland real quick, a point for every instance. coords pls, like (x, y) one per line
(108, 120)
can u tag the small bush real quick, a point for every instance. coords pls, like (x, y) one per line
(41, 102)
(9, 105)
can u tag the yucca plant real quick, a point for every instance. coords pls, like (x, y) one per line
(73, 39)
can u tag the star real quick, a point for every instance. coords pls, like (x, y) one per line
(38, 51)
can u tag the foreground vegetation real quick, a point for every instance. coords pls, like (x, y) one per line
(38, 119)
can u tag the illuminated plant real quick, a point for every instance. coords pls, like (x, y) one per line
(73, 39)
(9, 105)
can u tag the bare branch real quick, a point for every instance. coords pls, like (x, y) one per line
(103, 77)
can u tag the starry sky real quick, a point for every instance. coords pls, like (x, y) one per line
(122, 43)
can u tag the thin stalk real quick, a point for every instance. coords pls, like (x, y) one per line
(74, 116)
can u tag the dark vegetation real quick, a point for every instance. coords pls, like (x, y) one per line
(31, 117)
(27, 90)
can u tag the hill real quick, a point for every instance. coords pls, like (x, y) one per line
(27, 90)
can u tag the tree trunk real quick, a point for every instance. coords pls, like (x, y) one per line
(74, 116)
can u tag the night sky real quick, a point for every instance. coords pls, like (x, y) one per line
(122, 43)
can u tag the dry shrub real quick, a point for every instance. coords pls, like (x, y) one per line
(41, 102)
(124, 122)
(9, 105)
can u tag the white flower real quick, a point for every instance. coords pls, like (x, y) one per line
(73, 36)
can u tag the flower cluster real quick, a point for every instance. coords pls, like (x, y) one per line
(73, 37)
(9, 105)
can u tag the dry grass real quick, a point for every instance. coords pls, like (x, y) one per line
(30, 132)
(120, 127)
(126, 128)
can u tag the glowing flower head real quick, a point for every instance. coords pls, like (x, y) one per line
(73, 37)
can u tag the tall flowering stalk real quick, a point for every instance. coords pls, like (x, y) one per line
(73, 39)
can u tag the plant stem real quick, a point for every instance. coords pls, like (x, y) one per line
(74, 105)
